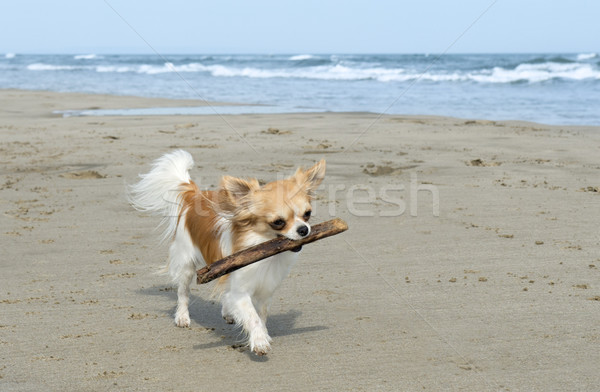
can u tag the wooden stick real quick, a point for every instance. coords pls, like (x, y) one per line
(267, 249)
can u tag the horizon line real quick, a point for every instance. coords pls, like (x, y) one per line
(75, 53)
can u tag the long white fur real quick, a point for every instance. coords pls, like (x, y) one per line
(158, 191)
(247, 296)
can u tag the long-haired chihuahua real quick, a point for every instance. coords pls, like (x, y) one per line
(205, 226)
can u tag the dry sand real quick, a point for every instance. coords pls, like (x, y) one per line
(501, 291)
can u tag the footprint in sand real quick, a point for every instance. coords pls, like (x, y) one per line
(385, 169)
(276, 131)
(481, 162)
(83, 175)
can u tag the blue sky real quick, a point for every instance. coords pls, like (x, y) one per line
(308, 26)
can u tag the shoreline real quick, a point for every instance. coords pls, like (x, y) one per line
(87, 101)
(72, 102)
(499, 285)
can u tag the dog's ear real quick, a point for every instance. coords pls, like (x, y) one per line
(310, 179)
(315, 174)
(237, 189)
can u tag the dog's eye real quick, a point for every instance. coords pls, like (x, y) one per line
(278, 224)
(307, 215)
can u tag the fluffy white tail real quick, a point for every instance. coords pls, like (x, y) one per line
(158, 192)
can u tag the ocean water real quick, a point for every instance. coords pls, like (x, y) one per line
(546, 88)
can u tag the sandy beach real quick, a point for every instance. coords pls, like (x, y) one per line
(472, 261)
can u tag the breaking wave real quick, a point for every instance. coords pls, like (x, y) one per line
(532, 71)
(302, 57)
(586, 56)
(85, 57)
(50, 67)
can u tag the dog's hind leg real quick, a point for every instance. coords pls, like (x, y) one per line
(183, 256)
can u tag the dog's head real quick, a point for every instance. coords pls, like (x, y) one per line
(279, 208)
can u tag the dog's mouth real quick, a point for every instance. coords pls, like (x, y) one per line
(296, 249)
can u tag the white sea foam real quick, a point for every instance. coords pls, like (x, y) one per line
(532, 73)
(168, 67)
(50, 67)
(535, 73)
(324, 72)
(301, 57)
(9, 55)
(525, 72)
(85, 57)
(586, 56)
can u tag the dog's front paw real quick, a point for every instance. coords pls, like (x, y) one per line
(261, 346)
(182, 320)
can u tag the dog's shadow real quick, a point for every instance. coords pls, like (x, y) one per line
(207, 314)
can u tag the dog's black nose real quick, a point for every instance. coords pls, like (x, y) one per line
(303, 231)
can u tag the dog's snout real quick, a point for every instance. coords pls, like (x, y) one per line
(302, 231)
